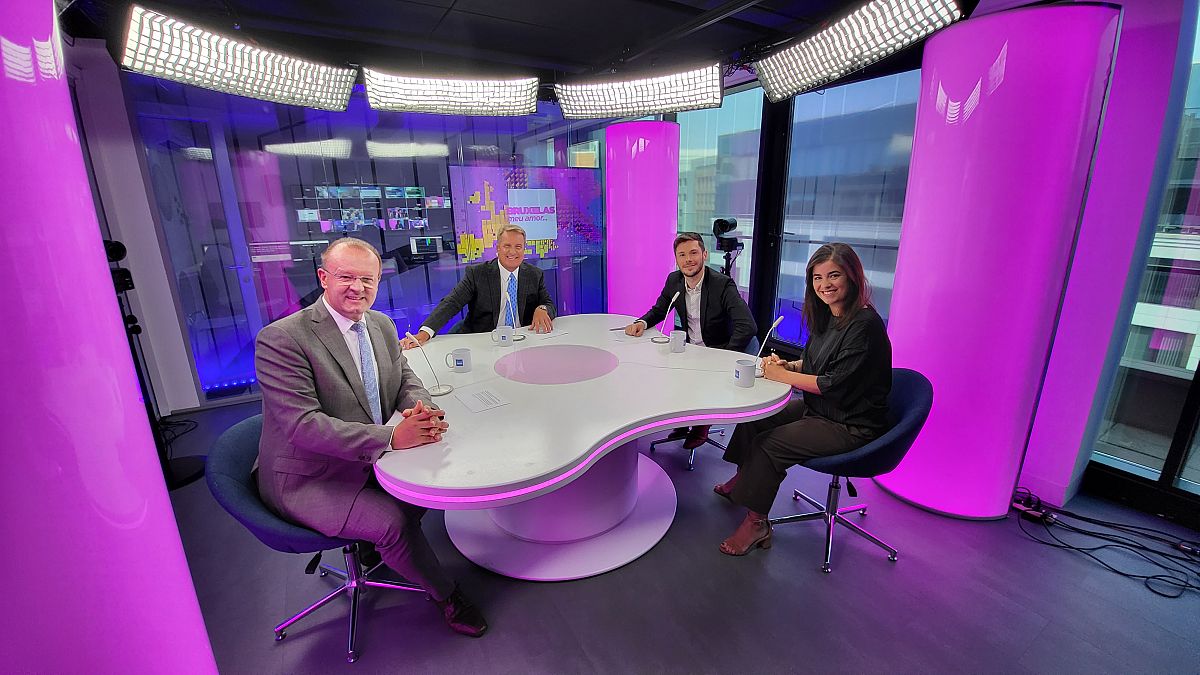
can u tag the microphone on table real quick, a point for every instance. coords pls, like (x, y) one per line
(438, 389)
(768, 336)
(670, 306)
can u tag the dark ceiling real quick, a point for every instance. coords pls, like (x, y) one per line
(556, 40)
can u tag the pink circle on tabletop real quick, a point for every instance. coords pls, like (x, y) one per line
(556, 364)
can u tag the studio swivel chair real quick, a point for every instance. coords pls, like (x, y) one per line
(751, 348)
(908, 404)
(228, 470)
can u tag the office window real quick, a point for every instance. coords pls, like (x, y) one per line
(718, 174)
(248, 193)
(1158, 364)
(847, 173)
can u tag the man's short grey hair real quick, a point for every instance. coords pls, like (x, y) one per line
(349, 241)
(511, 228)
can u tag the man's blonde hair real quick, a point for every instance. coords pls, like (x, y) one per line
(511, 228)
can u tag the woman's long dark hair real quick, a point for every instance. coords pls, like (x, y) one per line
(817, 315)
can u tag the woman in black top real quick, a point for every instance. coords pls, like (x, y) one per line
(845, 373)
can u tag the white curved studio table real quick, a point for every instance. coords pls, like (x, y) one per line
(550, 486)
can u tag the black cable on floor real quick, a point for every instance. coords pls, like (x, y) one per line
(1178, 570)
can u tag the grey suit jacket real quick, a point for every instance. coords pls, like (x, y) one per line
(479, 291)
(318, 443)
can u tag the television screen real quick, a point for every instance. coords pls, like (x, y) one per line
(425, 245)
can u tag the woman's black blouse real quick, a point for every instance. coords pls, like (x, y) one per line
(853, 365)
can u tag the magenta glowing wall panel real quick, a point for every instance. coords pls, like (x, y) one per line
(1006, 124)
(641, 188)
(99, 579)
(1132, 141)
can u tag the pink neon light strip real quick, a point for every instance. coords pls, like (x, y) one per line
(582, 466)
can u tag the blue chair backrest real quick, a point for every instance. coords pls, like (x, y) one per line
(228, 473)
(909, 403)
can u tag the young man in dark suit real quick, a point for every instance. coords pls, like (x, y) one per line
(503, 292)
(709, 306)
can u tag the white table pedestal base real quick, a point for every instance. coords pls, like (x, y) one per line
(543, 552)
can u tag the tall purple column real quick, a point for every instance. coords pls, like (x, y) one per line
(101, 581)
(1006, 126)
(641, 189)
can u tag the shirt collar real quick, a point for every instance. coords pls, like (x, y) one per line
(699, 282)
(343, 323)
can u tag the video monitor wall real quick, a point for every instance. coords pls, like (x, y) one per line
(561, 210)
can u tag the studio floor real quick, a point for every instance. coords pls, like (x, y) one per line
(963, 597)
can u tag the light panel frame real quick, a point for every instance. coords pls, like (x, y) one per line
(689, 90)
(445, 96)
(872, 32)
(160, 46)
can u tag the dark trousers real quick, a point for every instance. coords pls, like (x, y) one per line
(395, 529)
(765, 449)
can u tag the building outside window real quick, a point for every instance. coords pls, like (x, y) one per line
(847, 175)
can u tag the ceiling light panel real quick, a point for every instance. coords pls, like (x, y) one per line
(163, 47)
(873, 32)
(390, 150)
(333, 148)
(450, 97)
(691, 90)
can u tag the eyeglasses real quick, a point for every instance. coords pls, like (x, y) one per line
(344, 279)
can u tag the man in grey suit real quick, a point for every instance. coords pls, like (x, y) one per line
(503, 292)
(331, 375)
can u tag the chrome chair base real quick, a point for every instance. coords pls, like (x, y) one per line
(692, 457)
(832, 515)
(355, 581)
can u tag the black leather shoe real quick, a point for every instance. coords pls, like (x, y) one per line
(368, 557)
(677, 434)
(462, 615)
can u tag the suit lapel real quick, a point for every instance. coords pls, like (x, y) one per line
(681, 302)
(704, 296)
(326, 330)
(492, 283)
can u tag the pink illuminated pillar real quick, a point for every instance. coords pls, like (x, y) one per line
(1006, 125)
(641, 189)
(101, 583)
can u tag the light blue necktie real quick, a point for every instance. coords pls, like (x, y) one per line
(510, 316)
(366, 359)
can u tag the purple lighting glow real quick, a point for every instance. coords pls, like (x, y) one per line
(641, 184)
(1001, 154)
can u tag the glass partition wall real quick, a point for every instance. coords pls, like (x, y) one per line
(248, 193)
(846, 179)
(1150, 419)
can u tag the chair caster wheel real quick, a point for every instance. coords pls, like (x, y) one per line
(826, 569)
(280, 635)
(323, 573)
(691, 467)
(862, 512)
(892, 557)
(795, 495)
(351, 657)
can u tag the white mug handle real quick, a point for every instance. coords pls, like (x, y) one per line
(450, 360)
(495, 337)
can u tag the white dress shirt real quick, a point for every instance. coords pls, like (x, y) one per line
(351, 339)
(692, 301)
(504, 275)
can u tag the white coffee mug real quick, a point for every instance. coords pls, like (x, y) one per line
(459, 360)
(678, 339)
(503, 336)
(743, 372)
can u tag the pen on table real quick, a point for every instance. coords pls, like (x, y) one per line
(617, 328)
